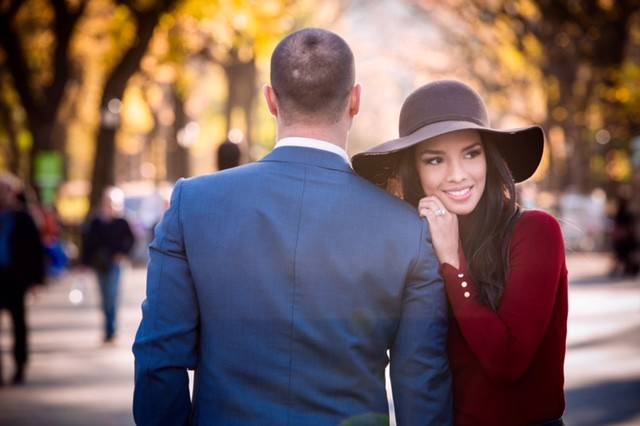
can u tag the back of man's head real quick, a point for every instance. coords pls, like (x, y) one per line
(312, 74)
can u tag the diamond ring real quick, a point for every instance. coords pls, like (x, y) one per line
(440, 212)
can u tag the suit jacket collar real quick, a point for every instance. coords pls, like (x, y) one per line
(313, 143)
(309, 156)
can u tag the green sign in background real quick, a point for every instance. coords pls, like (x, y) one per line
(49, 172)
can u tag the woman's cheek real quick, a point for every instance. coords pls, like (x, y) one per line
(429, 180)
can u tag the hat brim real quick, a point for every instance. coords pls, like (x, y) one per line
(521, 148)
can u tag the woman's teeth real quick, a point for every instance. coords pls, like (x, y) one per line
(461, 193)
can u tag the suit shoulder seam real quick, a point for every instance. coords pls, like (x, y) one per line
(293, 295)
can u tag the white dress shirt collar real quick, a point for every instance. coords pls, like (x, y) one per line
(315, 144)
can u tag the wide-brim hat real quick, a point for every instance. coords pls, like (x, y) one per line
(447, 106)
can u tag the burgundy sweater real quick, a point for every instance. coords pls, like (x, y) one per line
(507, 365)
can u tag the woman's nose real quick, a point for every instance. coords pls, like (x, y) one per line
(456, 172)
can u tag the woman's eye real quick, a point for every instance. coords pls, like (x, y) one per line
(473, 154)
(434, 161)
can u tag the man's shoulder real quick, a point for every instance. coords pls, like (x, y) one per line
(386, 202)
(376, 201)
(211, 181)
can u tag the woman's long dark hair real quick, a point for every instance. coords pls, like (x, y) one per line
(485, 233)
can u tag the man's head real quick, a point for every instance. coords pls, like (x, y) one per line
(9, 188)
(312, 80)
(228, 155)
(112, 203)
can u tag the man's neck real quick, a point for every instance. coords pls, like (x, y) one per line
(337, 137)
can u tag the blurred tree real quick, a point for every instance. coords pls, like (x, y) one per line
(8, 129)
(621, 109)
(29, 30)
(70, 63)
(575, 51)
(177, 149)
(166, 141)
(146, 17)
(36, 39)
(204, 64)
(236, 37)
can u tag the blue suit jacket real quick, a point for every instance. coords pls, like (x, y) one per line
(283, 283)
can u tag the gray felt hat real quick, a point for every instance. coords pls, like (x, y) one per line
(446, 106)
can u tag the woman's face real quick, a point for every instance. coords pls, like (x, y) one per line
(453, 167)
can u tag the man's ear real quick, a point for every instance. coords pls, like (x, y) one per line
(272, 100)
(354, 100)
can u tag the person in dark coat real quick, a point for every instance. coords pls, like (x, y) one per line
(623, 239)
(107, 240)
(228, 155)
(21, 267)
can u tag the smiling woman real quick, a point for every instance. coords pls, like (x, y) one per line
(508, 335)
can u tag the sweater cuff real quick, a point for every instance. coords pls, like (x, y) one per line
(460, 287)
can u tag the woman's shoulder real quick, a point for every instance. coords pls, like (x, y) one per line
(538, 221)
(539, 232)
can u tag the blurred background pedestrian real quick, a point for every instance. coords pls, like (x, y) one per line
(228, 155)
(623, 240)
(106, 241)
(21, 267)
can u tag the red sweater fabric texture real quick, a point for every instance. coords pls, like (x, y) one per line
(508, 366)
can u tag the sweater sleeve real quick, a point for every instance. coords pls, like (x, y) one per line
(506, 341)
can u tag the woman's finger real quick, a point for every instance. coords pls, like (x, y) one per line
(434, 205)
(432, 199)
(428, 198)
(435, 200)
(428, 202)
(428, 213)
(424, 211)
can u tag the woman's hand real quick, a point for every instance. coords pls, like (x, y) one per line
(444, 229)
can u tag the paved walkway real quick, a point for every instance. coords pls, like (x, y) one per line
(602, 366)
(74, 380)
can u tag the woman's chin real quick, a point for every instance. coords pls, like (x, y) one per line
(460, 210)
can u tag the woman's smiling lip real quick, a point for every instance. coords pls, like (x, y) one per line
(459, 194)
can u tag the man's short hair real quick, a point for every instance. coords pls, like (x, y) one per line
(312, 74)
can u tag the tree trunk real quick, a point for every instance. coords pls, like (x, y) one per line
(242, 91)
(104, 159)
(41, 111)
(13, 155)
(103, 166)
(177, 155)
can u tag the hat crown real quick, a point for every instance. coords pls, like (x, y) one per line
(442, 100)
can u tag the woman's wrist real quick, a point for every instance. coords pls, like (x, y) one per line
(453, 261)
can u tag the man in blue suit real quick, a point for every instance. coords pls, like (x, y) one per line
(283, 283)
